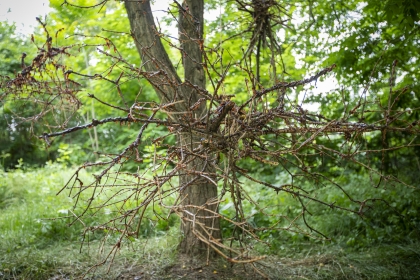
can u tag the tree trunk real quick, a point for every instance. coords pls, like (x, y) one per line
(199, 198)
(197, 180)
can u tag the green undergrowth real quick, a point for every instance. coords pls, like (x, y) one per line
(334, 261)
(36, 241)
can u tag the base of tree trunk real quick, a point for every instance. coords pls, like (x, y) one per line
(200, 222)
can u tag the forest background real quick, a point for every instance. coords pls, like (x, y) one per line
(362, 39)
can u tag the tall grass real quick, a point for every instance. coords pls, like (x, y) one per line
(36, 241)
(30, 206)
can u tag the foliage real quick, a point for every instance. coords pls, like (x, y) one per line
(365, 39)
(10, 45)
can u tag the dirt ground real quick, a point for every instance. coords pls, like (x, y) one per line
(188, 269)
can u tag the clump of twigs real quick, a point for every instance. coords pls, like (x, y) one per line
(266, 15)
(46, 80)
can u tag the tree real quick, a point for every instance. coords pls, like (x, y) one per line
(168, 86)
(216, 131)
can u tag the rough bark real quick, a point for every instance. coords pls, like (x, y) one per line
(161, 73)
(201, 191)
(155, 60)
(191, 37)
(196, 190)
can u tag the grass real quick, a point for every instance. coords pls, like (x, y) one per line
(386, 261)
(64, 260)
(36, 243)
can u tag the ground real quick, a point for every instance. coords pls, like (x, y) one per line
(184, 268)
(384, 262)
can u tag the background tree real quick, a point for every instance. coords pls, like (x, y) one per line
(250, 114)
